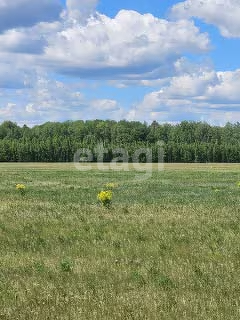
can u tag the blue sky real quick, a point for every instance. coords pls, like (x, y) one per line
(163, 60)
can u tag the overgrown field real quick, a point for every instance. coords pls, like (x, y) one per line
(167, 248)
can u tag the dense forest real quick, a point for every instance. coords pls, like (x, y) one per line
(57, 142)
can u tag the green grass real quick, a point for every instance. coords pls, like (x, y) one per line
(168, 248)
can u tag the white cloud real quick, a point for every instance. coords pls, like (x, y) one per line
(181, 66)
(197, 96)
(130, 45)
(222, 13)
(204, 96)
(226, 90)
(20, 50)
(80, 10)
(137, 49)
(25, 41)
(50, 100)
(26, 13)
(104, 105)
(12, 76)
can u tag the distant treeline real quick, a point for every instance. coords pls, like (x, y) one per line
(57, 142)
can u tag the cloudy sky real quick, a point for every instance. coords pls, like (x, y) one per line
(163, 60)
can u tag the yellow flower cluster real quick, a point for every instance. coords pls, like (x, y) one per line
(105, 196)
(110, 185)
(238, 184)
(20, 186)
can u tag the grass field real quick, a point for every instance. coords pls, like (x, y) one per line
(167, 248)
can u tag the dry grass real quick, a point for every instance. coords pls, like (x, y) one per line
(167, 249)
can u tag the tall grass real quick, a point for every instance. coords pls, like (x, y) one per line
(167, 248)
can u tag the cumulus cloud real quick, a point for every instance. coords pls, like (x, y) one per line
(196, 96)
(130, 45)
(138, 49)
(28, 41)
(20, 50)
(202, 96)
(26, 13)
(222, 13)
(80, 9)
(226, 89)
(18, 41)
(51, 100)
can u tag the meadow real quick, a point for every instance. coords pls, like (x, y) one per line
(167, 248)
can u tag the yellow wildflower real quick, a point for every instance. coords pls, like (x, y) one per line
(20, 186)
(110, 185)
(105, 197)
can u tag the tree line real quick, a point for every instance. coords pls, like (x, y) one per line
(187, 141)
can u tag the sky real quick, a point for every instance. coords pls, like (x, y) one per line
(139, 60)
